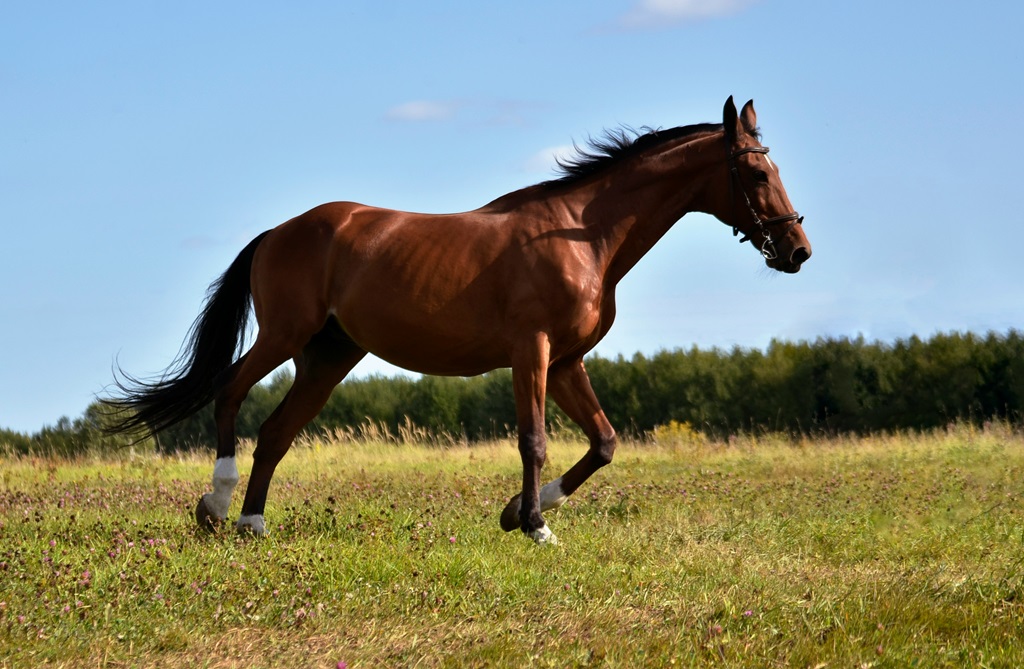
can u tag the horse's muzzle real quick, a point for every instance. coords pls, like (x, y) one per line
(797, 257)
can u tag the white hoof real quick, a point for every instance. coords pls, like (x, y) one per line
(215, 505)
(205, 517)
(252, 525)
(543, 537)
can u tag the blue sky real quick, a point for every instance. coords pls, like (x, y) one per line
(142, 145)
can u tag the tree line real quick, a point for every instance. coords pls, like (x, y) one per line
(828, 386)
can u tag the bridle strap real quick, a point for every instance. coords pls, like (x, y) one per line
(793, 218)
(750, 149)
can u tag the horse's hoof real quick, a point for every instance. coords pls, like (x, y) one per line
(510, 516)
(251, 525)
(205, 518)
(542, 536)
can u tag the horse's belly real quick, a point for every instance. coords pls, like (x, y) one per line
(448, 346)
(444, 365)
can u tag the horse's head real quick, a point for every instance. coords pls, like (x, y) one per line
(756, 203)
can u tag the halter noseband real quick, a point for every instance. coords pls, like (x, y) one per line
(768, 248)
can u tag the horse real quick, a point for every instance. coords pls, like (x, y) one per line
(527, 281)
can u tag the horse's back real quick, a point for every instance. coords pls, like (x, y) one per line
(419, 290)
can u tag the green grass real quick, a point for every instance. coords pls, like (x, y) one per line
(890, 551)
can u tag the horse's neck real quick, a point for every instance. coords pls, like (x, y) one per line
(634, 205)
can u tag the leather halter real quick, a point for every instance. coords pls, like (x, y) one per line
(793, 218)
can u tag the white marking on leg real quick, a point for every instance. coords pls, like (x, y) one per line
(542, 536)
(253, 524)
(551, 495)
(225, 478)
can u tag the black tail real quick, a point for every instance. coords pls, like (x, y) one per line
(194, 378)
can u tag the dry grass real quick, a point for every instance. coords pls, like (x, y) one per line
(903, 550)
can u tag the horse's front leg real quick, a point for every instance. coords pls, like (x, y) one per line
(529, 382)
(569, 386)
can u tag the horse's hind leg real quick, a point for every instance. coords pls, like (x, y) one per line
(321, 365)
(265, 355)
(569, 386)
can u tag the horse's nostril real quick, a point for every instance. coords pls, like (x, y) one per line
(800, 255)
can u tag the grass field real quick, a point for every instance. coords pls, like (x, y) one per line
(890, 551)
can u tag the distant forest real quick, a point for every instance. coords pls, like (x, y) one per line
(829, 386)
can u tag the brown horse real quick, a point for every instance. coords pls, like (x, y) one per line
(527, 282)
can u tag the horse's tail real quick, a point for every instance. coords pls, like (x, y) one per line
(197, 374)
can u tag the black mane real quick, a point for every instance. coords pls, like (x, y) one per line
(616, 145)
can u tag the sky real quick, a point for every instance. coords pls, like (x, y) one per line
(143, 144)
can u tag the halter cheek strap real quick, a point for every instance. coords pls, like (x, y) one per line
(793, 218)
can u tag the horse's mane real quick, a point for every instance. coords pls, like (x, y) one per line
(615, 145)
(610, 148)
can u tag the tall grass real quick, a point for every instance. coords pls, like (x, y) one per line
(899, 550)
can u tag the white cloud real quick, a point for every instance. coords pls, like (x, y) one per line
(424, 110)
(658, 13)
(480, 112)
(545, 160)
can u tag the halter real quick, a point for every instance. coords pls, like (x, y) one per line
(768, 248)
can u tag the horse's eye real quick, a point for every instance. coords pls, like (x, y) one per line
(761, 176)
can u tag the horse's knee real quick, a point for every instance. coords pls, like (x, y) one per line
(602, 449)
(533, 446)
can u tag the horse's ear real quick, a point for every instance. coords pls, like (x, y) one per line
(729, 120)
(748, 117)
